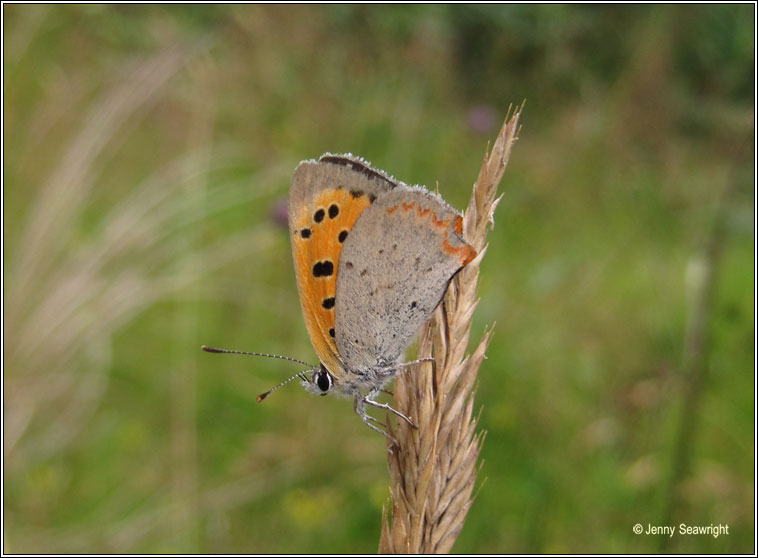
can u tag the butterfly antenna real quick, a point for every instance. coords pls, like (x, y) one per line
(300, 375)
(230, 352)
(263, 396)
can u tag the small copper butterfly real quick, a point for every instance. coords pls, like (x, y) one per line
(373, 258)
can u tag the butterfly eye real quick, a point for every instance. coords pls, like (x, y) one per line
(323, 380)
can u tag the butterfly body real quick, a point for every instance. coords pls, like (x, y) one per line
(373, 258)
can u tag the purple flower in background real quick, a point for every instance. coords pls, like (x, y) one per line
(481, 118)
(278, 213)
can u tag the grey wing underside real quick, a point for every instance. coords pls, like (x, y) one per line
(393, 272)
(335, 171)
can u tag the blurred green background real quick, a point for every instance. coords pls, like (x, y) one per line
(147, 155)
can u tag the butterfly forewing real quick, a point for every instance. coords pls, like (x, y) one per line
(326, 200)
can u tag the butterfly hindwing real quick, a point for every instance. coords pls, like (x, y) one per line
(394, 269)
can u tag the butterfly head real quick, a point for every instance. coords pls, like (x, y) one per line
(320, 382)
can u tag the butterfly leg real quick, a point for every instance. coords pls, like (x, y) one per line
(360, 409)
(367, 399)
(419, 361)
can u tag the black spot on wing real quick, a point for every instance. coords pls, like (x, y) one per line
(323, 269)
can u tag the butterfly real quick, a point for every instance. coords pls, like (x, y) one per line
(373, 258)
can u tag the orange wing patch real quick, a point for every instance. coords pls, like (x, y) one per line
(319, 232)
(459, 226)
(465, 253)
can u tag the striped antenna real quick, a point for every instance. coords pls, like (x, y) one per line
(300, 375)
(208, 349)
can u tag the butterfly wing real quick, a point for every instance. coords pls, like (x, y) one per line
(326, 198)
(393, 272)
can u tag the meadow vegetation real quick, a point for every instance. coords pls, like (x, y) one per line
(147, 154)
